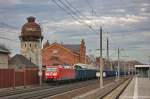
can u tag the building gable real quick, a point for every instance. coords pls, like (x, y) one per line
(74, 48)
(60, 46)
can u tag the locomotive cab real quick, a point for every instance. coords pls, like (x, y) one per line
(59, 73)
(51, 73)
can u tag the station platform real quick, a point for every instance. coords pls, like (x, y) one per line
(138, 88)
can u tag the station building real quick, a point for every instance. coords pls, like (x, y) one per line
(63, 54)
(143, 70)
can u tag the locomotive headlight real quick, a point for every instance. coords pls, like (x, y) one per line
(47, 74)
(55, 74)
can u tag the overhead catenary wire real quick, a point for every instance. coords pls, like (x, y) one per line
(73, 14)
(79, 13)
(76, 14)
(76, 10)
(91, 7)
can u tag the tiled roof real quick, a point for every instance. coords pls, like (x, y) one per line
(3, 49)
(20, 61)
(75, 48)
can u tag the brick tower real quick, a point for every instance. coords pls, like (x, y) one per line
(82, 52)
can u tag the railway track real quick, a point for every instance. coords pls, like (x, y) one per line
(19, 91)
(9, 92)
(15, 91)
(117, 91)
(46, 92)
(82, 90)
(108, 90)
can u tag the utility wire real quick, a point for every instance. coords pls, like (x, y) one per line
(74, 16)
(76, 10)
(90, 6)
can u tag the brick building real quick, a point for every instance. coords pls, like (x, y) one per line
(63, 54)
(4, 57)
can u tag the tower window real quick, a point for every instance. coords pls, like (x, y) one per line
(25, 45)
(30, 45)
(35, 45)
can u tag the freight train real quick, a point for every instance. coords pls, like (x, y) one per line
(76, 72)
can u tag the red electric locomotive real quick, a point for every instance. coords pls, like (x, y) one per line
(59, 73)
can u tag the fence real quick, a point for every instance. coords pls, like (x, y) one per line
(21, 77)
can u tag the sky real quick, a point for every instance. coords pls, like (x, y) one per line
(126, 21)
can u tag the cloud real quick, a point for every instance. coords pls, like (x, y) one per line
(35, 1)
(145, 4)
(9, 36)
(143, 9)
(118, 10)
(109, 22)
(127, 21)
(9, 2)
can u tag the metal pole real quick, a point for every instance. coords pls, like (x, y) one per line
(118, 63)
(101, 60)
(149, 68)
(124, 69)
(129, 69)
(132, 69)
(24, 74)
(135, 72)
(40, 65)
(108, 67)
(111, 67)
(14, 80)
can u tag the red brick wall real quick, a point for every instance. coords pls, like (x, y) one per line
(13, 78)
(63, 56)
(19, 78)
(6, 78)
(82, 53)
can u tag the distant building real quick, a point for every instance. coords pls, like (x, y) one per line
(20, 62)
(31, 38)
(106, 66)
(4, 56)
(63, 54)
(88, 60)
(142, 70)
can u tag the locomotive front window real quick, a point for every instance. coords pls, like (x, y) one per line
(51, 69)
